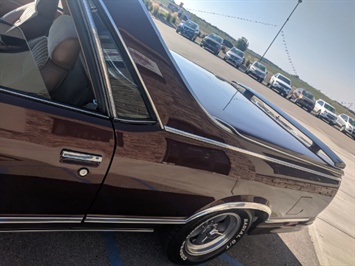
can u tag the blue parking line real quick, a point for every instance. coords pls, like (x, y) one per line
(112, 249)
(230, 260)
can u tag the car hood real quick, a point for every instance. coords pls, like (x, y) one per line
(224, 102)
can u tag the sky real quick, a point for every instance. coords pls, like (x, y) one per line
(319, 37)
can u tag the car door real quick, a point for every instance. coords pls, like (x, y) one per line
(53, 155)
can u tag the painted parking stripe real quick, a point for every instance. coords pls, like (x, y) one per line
(112, 249)
(230, 260)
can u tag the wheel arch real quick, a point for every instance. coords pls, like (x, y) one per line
(260, 207)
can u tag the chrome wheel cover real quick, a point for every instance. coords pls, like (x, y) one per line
(212, 234)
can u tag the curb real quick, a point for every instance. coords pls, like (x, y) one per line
(315, 241)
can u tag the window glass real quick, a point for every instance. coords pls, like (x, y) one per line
(216, 38)
(308, 94)
(351, 121)
(191, 24)
(27, 66)
(260, 66)
(18, 68)
(284, 79)
(329, 108)
(127, 96)
(238, 52)
(321, 102)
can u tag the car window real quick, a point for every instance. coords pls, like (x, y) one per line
(344, 117)
(351, 121)
(191, 24)
(329, 108)
(284, 79)
(260, 66)
(320, 102)
(216, 38)
(238, 52)
(31, 70)
(308, 94)
(126, 93)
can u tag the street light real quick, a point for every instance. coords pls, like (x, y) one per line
(299, 2)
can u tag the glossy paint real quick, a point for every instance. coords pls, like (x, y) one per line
(185, 162)
(183, 169)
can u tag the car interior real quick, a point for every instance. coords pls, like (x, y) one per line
(43, 32)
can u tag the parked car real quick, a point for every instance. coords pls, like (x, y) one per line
(189, 29)
(104, 129)
(213, 43)
(280, 83)
(346, 124)
(258, 70)
(235, 57)
(302, 98)
(325, 111)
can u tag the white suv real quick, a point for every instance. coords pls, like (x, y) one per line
(280, 83)
(258, 70)
(346, 124)
(324, 110)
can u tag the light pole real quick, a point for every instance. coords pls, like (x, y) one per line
(299, 2)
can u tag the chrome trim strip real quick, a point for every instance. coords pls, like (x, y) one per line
(234, 131)
(53, 103)
(230, 147)
(131, 121)
(132, 62)
(135, 230)
(137, 220)
(286, 220)
(81, 156)
(39, 220)
(101, 57)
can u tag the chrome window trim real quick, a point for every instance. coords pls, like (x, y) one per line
(108, 15)
(139, 220)
(131, 121)
(56, 104)
(39, 220)
(233, 148)
(101, 57)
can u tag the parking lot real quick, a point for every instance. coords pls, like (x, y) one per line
(330, 241)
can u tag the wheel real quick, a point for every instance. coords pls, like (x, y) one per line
(318, 114)
(309, 110)
(342, 129)
(261, 80)
(208, 236)
(177, 31)
(247, 72)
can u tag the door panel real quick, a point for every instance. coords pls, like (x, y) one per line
(34, 179)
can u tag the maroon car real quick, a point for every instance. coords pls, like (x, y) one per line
(103, 128)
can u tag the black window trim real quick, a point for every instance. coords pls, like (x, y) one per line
(132, 68)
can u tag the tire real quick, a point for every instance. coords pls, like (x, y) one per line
(201, 240)
(342, 129)
(318, 114)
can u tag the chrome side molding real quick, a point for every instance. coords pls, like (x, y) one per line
(39, 220)
(142, 220)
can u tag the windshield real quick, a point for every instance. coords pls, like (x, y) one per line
(260, 66)
(216, 38)
(191, 24)
(284, 79)
(238, 52)
(308, 95)
(329, 108)
(351, 121)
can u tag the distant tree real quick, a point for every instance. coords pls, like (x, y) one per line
(242, 44)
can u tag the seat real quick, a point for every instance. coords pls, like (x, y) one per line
(57, 57)
(34, 19)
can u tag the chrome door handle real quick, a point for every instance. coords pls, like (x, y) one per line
(74, 157)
